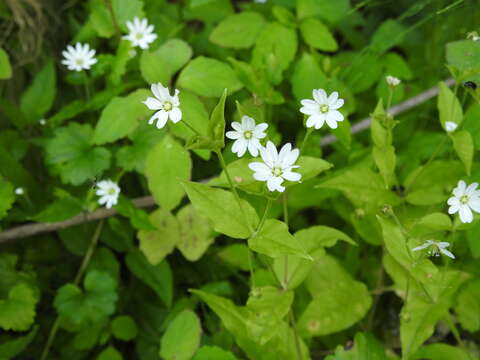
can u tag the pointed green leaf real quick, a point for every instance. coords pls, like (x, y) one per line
(182, 338)
(317, 35)
(449, 107)
(463, 145)
(5, 67)
(217, 123)
(238, 31)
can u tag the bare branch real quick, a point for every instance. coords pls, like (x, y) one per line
(147, 201)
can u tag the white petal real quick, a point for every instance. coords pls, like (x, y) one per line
(160, 92)
(333, 117)
(237, 126)
(284, 151)
(274, 183)
(309, 104)
(460, 189)
(337, 105)
(453, 201)
(453, 209)
(271, 154)
(421, 247)
(291, 176)
(446, 252)
(175, 114)
(471, 189)
(248, 123)
(239, 147)
(474, 204)
(234, 135)
(153, 104)
(320, 96)
(443, 244)
(161, 117)
(332, 99)
(309, 111)
(466, 215)
(253, 147)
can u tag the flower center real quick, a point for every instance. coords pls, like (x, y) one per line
(248, 134)
(324, 108)
(79, 62)
(464, 199)
(167, 106)
(111, 191)
(277, 171)
(138, 36)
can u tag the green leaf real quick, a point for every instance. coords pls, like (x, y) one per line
(235, 255)
(17, 311)
(10, 349)
(347, 302)
(157, 244)
(133, 157)
(268, 306)
(321, 236)
(307, 76)
(138, 217)
(311, 167)
(121, 117)
(126, 10)
(208, 77)
(463, 145)
(124, 328)
(195, 233)
(238, 31)
(71, 150)
(464, 54)
(436, 221)
(110, 353)
(213, 353)
(388, 35)
(168, 163)
(360, 71)
(332, 11)
(5, 67)
(275, 240)
(161, 64)
(420, 314)
(467, 306)
(217, 123)
(441, 352)
(385, 160)
(208, 11)
(317, 35)
(7, 196)
(222, 209)
(158, 277)
(182, 338)
(274, 50)
(39, 96)
(101, 19)
(87, 337)
(82, 308)
(366, 347)
(361, 185)
(120, 62)
(449, 107)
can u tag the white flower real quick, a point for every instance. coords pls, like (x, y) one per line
(322, 109)
(141, 34)
(108, 192)
(392, 80)
(450, 126)
(167, 106)
(464, 200)
(247, 136)
(260, 1)
(436, 248)
(79, 58)
(42, 122)
(19, 191)
(276, 167)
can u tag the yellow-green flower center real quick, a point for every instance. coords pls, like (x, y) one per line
(111, 191)
(464, 199)
(277, 171)
(167, 106)
(324, 108)
(138, 36)
(79, 62)
(248, 134)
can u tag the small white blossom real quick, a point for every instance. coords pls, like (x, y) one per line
(260, 1)
(79, 58)
(322, 109)
(473, 35)
(108, 192)
(42, 122)
(247, 135)
(464, 200)
(276, 166)
(141, 34)
(450, 126)
(167, 106)
(19, 191)
(392, 80)
(435, 248)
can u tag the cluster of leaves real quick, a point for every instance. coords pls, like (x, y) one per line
(243, 284)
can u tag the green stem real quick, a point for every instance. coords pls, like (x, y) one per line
(264, 217)
(191, 128)
(78, 278)
(390, 97)
(285, 219)
(307, 135)
(87, 85)
(297, 341)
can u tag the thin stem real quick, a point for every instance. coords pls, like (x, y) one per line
(87, 85)
(78, 278)
(307, 135)
(234, 190)
(285, 219)
(191, 128)
(390, 97)
(297, 342)
(264, 217)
